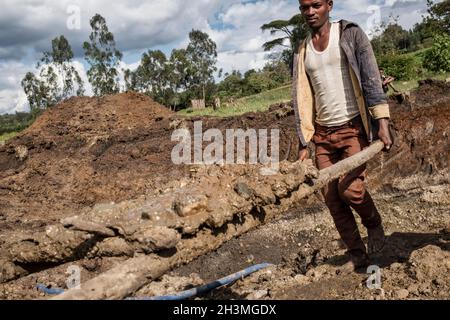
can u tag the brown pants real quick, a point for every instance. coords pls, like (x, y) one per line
(332, 145)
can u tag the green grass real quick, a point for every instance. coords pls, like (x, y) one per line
(412, 84)
(7, 136)
(261, 102)
(255, 103)
(418, 55)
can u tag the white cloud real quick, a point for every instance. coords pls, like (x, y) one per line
(12, 98)
(241, 46)
(15, 101)
(136, 24)
(232, 60)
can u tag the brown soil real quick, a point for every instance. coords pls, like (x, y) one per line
(88, 151)
(82, 152)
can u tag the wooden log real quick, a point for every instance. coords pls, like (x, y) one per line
(339, 169)
(120, 281)
(134, 273)
(129, 276)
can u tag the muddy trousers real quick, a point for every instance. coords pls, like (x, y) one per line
(332, 145)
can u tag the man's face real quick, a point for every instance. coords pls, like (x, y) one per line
(316, 12)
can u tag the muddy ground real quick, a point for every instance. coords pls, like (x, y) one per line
(89, 151)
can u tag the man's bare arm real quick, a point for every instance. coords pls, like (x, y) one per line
(384, 134)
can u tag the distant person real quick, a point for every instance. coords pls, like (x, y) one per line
(340, 106)
(386, 80)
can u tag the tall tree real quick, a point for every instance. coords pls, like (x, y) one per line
(37, 92)
(392, 40)
(202, 53)
(182, 70)
(179, 77)
(439, 15)
(130, 80)
(103, 58)
(58, 79)
(57, 68)
(292, 31)
(151, 76)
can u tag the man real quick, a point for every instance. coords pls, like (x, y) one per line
(385, 80)
(340, 106)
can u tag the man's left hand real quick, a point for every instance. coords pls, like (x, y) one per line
(384, 134)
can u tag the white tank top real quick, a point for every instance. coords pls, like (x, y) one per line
(330, 78)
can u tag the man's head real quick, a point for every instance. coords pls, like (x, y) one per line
(316, 12)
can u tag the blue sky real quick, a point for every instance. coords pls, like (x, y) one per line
(27, 27)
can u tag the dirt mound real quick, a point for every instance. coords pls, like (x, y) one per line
(422, 145)
(430, 90)
(84, 151)
(95, 150)
(106, 115)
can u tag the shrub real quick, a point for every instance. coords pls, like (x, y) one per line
(259, 82)
(15, 122)
(437, 59)
(401, 67)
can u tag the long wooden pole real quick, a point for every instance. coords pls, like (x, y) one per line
(339, 169)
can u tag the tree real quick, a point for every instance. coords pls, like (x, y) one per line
(293, 30)
(182, 69)
(439, 15)
(278, 71)
(14, 122)
(258, 82)
(151, 76)
(37, 92)
(180, 76)
(392, 40)
(202, 54)
(130, 80)
(57, 68)
(103, 58)
(422, 33)
(437, 21)
(437, 59)
(232, 85)
(58, 79)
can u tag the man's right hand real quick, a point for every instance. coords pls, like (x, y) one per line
(304, 154)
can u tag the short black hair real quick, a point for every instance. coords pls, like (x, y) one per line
(324, 0)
